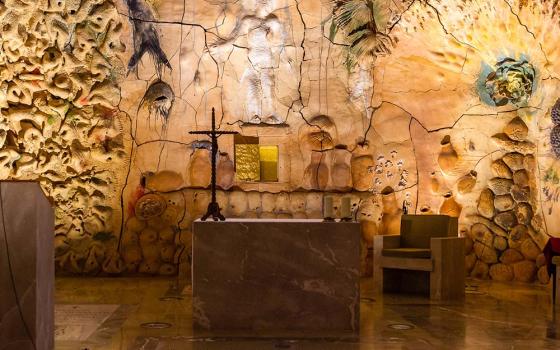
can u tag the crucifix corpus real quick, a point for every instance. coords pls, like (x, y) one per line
(213, 207)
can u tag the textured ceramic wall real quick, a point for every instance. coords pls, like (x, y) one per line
(454, 114)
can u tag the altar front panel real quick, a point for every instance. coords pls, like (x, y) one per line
(276, 275)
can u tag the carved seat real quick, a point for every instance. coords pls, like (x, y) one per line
(427, 257)
(419, 253)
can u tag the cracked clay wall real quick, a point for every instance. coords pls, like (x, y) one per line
(448, 106)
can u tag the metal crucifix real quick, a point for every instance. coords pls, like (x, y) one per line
(213, 207)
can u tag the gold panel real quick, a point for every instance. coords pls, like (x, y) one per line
(268, 163)
(247, 162)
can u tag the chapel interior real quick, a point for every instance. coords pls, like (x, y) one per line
(279, 174)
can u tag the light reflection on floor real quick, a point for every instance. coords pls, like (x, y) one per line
(104, 313)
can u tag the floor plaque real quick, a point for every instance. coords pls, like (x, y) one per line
(79, 322)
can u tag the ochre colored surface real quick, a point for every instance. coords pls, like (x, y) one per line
(452, 109)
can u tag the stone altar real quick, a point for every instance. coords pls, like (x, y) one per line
(26, 268)
(300, 275)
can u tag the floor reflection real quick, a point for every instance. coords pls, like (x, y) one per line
(113, 314)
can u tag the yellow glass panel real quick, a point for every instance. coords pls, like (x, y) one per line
(247, 162)
(268, 163)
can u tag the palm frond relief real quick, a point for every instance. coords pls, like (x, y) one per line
(359, 20)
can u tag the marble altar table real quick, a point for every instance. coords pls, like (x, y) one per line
(26, 268)
(296, 275)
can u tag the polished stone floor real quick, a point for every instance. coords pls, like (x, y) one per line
(154, 314)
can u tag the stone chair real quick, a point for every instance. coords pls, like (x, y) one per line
(427, 257)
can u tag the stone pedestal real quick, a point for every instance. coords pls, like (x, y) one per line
(26, 268)
(275, 275)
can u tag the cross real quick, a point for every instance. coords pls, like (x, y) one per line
(213, 207)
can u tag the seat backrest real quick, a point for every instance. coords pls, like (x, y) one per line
(417, 230)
